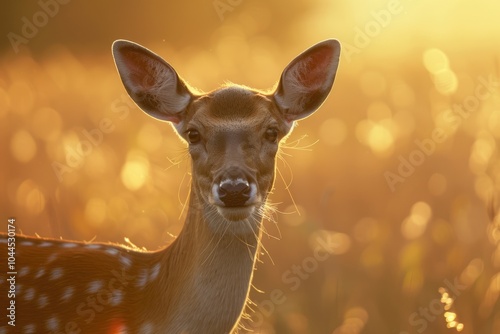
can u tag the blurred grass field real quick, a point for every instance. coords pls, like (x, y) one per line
(399, 169)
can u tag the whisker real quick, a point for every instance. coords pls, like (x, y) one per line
(295, 144)
(288, 191)
(184, 202)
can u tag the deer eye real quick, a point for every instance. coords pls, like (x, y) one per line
(272, 135)
(193, 136)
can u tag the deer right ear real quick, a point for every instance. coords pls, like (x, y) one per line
(151, 82)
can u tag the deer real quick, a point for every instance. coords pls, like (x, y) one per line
(200, 282)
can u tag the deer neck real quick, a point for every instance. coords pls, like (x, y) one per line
(214, 280)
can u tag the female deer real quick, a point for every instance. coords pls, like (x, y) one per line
(199, 283)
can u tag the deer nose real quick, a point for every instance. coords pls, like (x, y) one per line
(234, 192)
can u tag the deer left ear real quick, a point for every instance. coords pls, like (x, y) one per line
(307, 80)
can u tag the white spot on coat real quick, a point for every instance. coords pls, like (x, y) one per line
(43, 301)
(117, 298)
(125, 261)
(56, 274)
(112, 251)
(95, 286)
(26, 243)
(93, 246)
(52, 257)
(29, 294)
(40, 273)
(154, 272)
(67, 293)
(52, 324)
(146, 328)
(143, 278)
(23, 271)
(29, 329)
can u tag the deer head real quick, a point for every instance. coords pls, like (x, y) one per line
(233, 132)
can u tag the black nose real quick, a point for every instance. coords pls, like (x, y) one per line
(234, 193)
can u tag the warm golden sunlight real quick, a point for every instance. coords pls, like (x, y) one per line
(387, 200)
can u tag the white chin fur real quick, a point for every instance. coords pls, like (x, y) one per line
(236, 221)
(236, 214)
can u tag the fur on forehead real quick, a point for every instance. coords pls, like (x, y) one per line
(234, 101)
(235, 105)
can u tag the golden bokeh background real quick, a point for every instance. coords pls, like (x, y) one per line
(397, 173)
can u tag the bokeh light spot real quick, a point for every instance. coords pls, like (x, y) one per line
(135, 171)
(379, 136)
(22, 146)
(296, 215)
(355, 319)
(333, 131)
(380, 139)
(435, 61)
(437, 184)
(482, 151)
(339, 243)
(416, 223)
(446, 82)
(30, 197)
